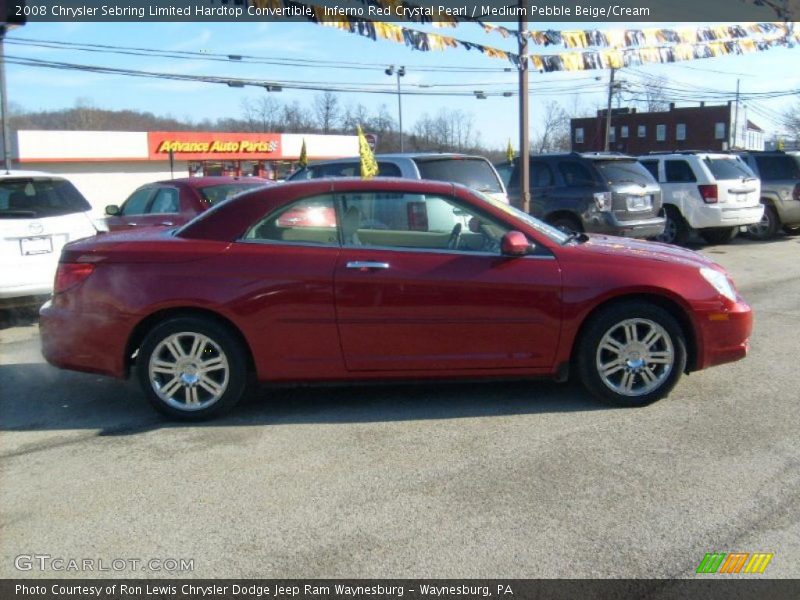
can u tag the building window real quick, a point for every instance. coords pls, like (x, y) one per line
(579, 135)
(661, 133)
(612, 134)
(623, 131)
(680, 131)
(719, 131)
(642, 131)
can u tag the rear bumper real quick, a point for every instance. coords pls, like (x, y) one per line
(87, 342)
(725, 215)
(608, 224)
(724, 334)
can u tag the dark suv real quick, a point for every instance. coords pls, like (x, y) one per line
(780, 192)
(594, 192)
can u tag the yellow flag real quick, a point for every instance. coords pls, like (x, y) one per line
(510, 151)
(303, 160)
(369, 167)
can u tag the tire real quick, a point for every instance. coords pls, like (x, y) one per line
(767, 227)
(566, 224)
(676, 229)
(791, 230)
(177, 381)
(634, 381)
(718, 235)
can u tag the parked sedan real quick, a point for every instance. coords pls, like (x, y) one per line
(176, 201)
(411, 280)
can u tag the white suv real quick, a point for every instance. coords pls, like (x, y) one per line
(39, 213)
(711, 192)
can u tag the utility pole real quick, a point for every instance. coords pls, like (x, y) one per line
(524, 143)
(735, 118)
(608, 109)
(4, 103)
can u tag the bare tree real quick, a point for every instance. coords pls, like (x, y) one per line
(355, 115)
(554, 134)
(791, 119)
(448, 131)
(263, 114)
(326, 109)
(655, 98)
(296, 118)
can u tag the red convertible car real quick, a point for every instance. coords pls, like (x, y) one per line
(410, 280)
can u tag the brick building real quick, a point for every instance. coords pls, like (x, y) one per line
(685, 128)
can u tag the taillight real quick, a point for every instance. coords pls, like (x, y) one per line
(709, 193)
(69, 275)
(796, 193)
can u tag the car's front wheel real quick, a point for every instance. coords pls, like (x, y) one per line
(192, 368)
(631, 354)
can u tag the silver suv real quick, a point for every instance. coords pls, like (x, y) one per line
(780, 192)
(471, 171)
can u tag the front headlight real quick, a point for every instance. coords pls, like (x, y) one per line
(719, 282)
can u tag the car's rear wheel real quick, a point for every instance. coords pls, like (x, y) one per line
(566, 224)
(192, 368)
(631, 354)
(719, 235)
(676, 229)
(767, 227)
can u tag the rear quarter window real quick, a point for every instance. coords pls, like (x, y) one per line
(778, 167)
(728, 168)
(475, 173)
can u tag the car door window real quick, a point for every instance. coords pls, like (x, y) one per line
(166, 201)
(416, 221)
(678, 171)
(136, 204)
(541, 175)
(308, 221)
(575, 174)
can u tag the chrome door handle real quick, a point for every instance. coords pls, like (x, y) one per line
(366, 265)
(166, 223)
(132, 224)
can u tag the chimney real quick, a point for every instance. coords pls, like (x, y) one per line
(672, 106)
(702, 104)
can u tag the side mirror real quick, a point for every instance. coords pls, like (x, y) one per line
(112, 210)
(514, 243)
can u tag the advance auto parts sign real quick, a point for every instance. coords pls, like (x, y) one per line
(195, 145)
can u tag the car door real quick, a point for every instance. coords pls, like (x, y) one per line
(421, 285)
(132, 209)
(542, 187)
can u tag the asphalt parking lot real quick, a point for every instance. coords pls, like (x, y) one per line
(488, 480)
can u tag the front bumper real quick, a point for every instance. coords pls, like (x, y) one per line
(724, 334)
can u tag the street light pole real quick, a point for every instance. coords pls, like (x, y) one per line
(401, 71)
(607, 144)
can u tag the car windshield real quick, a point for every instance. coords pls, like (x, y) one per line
(625, 171)
(214, 194)
(36, 198)
(475, 173)
(728, 168)
(551, 232)
(778, 167)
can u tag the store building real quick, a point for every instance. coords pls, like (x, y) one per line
(107, 166)
(714, 128)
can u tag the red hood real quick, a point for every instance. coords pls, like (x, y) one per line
(640, 249)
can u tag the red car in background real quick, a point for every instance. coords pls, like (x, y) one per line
(176, 201)
(384, 279)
